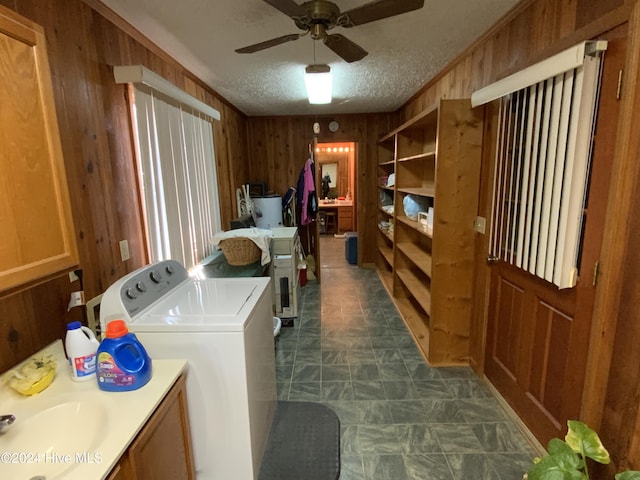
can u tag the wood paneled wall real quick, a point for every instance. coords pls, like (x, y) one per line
(83, 45)
(533, 31)
(278, 149)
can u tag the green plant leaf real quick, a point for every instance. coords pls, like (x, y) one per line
(557, 446)
(562, 464)
(628, 475)
(583, 439)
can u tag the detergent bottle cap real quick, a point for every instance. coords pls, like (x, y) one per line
(74, 325)
(116, 329)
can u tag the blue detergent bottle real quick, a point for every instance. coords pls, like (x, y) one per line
(122, 364)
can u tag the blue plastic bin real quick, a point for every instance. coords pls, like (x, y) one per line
(351, 247)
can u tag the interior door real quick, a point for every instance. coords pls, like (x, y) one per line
(537, 335)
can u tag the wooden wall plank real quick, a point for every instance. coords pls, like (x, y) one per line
(93, 114)
(536, 30)
(612, 392)
(278, 149)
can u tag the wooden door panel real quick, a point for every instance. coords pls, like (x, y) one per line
(530, 342)
(530, 337)
(506, 338)
(537, 335)
(549, 358)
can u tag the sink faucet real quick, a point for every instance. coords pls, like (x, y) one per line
(6, 421)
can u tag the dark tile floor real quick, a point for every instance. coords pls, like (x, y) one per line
(400, 419)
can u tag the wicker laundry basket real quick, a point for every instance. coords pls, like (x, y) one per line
(240, 251)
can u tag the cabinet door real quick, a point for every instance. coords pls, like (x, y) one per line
(35, 214)
(121, 472)
(162, 450)
(345, 219)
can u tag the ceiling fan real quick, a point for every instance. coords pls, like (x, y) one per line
(316, 17)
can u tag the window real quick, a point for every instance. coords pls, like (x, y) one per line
(543, 150)
(177, 172)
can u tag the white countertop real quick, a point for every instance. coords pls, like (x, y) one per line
(335, 203)
(119, 416)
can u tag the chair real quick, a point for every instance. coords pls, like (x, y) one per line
(331, 222)
(322, 221)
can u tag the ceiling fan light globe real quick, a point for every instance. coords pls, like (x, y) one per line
(318, 80)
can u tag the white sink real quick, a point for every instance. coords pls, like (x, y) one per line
(49, 443)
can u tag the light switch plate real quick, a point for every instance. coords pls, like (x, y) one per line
(480, 224)
(124, 250)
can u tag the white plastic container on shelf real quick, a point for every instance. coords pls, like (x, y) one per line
(81, 346)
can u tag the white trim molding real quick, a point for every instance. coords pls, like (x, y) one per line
(562, 62)
(142, 75)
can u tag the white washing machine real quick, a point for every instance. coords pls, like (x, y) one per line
(224, 328)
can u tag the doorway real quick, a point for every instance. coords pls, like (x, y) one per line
(336, 187)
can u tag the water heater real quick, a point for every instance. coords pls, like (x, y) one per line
(267, 211)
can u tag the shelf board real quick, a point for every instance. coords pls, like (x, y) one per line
(415, 225)
(387, 254)
(385, 213)
(416, 287)
(386, 277)
(390, 189)
(382, 164)
(426, 117)
(388, 141)
(421, 191)
(418, 256)
(386, 234)
(420, 156)
(417, 324)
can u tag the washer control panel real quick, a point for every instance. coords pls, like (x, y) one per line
(136, 291)
(147, 285)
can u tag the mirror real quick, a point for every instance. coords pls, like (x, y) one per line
(329, 180)
(337, 160)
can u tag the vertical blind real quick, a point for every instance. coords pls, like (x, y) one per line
(541, 173)
(177, 177)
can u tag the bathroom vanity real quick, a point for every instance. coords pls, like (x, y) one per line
(343, 210)
(162, 449)
(75, 431)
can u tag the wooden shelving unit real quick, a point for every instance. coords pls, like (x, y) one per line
(384, 240)
(435, 157)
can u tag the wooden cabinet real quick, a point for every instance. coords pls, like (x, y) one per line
(35, 214)
(345, 219)
(435, 157)
(162, 449)
(119, 472)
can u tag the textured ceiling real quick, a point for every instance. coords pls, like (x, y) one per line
(405, 51)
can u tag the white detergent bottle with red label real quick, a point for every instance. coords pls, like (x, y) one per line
(81, 346)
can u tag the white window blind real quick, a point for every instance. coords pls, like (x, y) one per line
(542, 163)
(177, 177)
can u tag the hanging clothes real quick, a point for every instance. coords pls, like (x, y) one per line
(289, 207)
(307, 199)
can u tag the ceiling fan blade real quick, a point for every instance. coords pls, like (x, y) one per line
(378, 10)
(269, 43)
(288, 7)
(345, 48)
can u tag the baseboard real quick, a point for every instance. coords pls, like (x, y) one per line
(513, 416)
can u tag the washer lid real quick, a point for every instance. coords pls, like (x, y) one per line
(209, 305)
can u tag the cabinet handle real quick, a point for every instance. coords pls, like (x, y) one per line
(491, 259)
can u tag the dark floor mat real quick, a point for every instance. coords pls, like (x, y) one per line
(304, 443)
